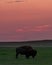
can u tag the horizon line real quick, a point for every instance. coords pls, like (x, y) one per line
(28, 40)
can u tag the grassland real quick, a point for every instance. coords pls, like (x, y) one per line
(44, 57)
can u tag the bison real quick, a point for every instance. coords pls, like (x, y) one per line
(26, 50)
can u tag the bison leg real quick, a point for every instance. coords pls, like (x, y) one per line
(27, 56)
(33, 56)
(16, 55)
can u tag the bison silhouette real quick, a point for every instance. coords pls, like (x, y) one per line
(26, 50)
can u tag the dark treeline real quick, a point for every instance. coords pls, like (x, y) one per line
(38, 41)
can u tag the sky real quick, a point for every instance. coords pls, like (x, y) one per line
(25, 20)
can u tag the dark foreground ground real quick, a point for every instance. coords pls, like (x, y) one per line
(43, 57)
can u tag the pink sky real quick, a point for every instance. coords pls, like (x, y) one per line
(22, 20)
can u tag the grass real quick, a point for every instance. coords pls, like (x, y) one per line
(44, 57)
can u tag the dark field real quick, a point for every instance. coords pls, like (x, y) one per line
(44, 57)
